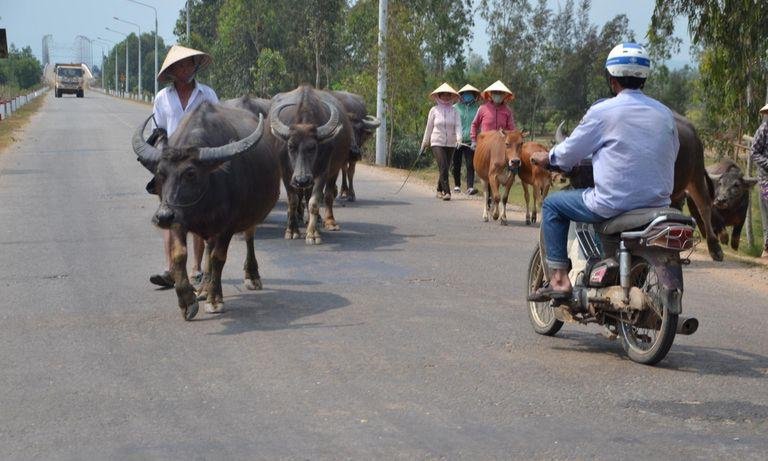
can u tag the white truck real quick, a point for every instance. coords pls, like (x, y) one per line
(69, 78)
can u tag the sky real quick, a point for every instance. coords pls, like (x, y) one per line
(27, 21)
(638, 12)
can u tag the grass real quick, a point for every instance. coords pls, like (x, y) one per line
(9, 127)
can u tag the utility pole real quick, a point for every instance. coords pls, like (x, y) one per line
(381, 87)
(154, 78)
(139, 55)
(189, 41)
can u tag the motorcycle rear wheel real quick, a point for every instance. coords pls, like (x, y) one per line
(541, 314)
(648, 345)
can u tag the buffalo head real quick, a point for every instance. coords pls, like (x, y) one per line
(182, 173)
(304, 138)
(731, 187)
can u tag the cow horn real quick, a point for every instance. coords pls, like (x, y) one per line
(371, 123)
(147, 154)
(332, 126)
(226, 152)
(715, 177)
(276, 125)
(559, 136)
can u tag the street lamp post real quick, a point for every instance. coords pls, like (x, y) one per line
(115, 47)
(138, 27)
(126, 56)
(155, 10)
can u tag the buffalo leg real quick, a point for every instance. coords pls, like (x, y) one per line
(537, 203)
(351, 174)
(184, 290)
(504, 199)
(494, 182)
(205, 286)
(330, 193)
(251, 267)
(344, 192)
(736, 236)
(215, 302)
(313, 208)
(292, 228)
(699, 193)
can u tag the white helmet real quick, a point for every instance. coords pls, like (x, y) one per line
(628, 60)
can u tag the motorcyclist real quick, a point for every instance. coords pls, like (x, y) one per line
(633, 141)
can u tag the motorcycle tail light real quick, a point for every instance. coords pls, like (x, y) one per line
(673, 238)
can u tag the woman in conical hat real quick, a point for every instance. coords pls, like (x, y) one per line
(495, 113)
(172, 103)
(467, 107)
(443, 134)
(760, 157)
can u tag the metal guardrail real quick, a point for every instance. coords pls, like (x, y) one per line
(122, 94)
(9, 106)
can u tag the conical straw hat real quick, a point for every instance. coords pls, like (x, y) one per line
(467, 88)
(498, 86)
(764, 109)
(444, 88)
(178, 53)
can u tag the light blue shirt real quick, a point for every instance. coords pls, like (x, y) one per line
(633, 141)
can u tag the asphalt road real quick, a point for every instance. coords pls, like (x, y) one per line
(403, 336)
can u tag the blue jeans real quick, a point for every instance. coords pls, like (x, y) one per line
(558, 210)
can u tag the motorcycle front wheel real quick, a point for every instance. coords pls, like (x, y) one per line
(542, 314)
(649, 340)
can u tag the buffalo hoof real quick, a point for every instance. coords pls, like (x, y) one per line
(313, 240)
(291, 235)
(485, 218)
(253, 284)
(215, 308)
(190, 311)
(331, 226)
(351, 198)
(715, 251)
(503, 221)
(527, 221)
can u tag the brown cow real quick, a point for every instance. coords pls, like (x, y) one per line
(533, 175)
(496, 161)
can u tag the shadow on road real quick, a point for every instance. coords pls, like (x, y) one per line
(683, 358)
(275, 309)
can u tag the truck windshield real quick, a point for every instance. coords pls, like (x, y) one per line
(70, 72)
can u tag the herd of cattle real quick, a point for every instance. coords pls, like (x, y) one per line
(219, 174)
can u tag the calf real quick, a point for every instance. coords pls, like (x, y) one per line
(731, 200)
(535, 176)
(496, 161)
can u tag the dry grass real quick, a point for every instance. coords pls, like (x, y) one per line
(11, 127)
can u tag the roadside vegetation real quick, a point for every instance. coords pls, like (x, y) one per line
(10, 127)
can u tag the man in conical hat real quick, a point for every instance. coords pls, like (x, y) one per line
(443, 134)
(760, 157)
(467, 107)
(495, 113)
(172, 103)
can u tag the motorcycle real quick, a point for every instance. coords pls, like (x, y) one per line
(626, 275)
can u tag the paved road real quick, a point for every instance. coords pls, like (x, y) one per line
(403, 336)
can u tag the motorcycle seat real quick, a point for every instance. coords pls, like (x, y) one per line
(641, 217)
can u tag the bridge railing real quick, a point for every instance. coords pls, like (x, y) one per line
(146, 98)
(10, 104)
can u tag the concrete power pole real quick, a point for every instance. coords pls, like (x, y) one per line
(189, 42)
(381, 87)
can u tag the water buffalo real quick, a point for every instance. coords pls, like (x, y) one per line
(731, 201)
(254, 105)
(317, 136)
(363, 127)
(496, 161)
(691, 180)
(216, 176)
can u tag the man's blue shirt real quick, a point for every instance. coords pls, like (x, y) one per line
(633, 141)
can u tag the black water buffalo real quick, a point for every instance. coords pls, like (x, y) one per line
(731, 201)
(316, 135)
(216, 176)
(363, 127)
(254, 105)
(692, 181)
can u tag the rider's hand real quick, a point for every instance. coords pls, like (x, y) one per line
(540, 158)
(473, 146)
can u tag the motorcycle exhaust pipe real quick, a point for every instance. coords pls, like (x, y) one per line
(687, 325)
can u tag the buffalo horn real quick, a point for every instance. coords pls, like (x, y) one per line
(147, 154)
(371, 123)
(559, 136)
(332, 126)
(276, 125)
(226, 152)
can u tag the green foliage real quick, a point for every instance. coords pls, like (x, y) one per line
(269, 74)
(147, 62)
(21, 69)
